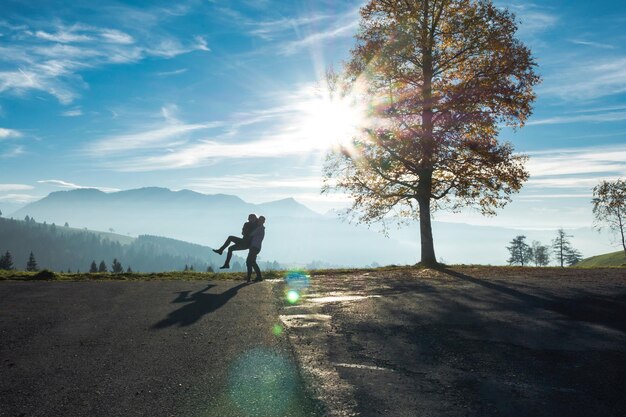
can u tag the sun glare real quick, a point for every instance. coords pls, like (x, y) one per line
(332, 122)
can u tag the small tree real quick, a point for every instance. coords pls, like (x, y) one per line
(102, 267)
(67, 224)
(6, 261)
(572, 257)
(116, 267)
(541, 254)
(563, 251)
(31, 265)
(210, 268)
(609, 207)
(93, 268)
(186, 268)
(129, 270)
(520, 252)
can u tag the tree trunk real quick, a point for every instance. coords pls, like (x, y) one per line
(426, 144)
(621, 228)
(426, 232)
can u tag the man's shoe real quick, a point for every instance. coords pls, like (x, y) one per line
(218, 251)
(224, 266)
(258, 279)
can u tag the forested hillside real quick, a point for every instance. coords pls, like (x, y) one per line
(62, 248)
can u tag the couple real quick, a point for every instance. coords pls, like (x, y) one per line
(253, 233)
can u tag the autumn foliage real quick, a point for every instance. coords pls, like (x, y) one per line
(441, 78)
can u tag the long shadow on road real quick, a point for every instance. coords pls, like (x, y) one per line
(198, 304)
(608, 311)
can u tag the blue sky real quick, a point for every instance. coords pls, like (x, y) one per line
(220, 97)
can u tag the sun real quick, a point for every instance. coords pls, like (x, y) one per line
(331, 121)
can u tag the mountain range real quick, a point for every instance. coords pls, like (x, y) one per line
(295, 235)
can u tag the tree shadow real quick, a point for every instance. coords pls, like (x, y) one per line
(473, 346)
(199, 304)
(585, 306)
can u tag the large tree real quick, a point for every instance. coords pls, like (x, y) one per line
(441, 78)
(609, 207)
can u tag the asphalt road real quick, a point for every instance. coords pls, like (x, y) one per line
(465, 342)
(162, 348)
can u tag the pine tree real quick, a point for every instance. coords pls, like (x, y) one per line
(102, 267)
(186, 268)
(572, 257)
(31, 265)
(191, 268)
(210, 268)
(93, 268)
(116, 267)
(6, 261)
(520, 252)
(129, 270)
(563, 250)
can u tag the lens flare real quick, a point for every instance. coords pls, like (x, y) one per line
(262, 383)
(293, 296)
(297, 280)
(277, 330)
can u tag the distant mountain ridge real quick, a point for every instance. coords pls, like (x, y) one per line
(295, 234)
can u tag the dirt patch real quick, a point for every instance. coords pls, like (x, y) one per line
(468, 341)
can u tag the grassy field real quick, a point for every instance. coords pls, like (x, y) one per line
(601, 261)
(608, 259)
(133, 276)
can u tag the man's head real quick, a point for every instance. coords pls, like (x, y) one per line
(252, 217)
(261, 220)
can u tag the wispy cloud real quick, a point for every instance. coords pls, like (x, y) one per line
(345, 30)
(72, 186)
(76, 111)
(175, 72)
(13, 152)
(51, 59)
(572, 182)
(539, 197)
(271, 29)
(580, 118)
(592, 44)
(588, 78)
(15, 187)
(289, 35)
(253, 181)
(9, 133)
(161, 137)
(533, 18)
(19, 198)
(576, 167)
(282, 130)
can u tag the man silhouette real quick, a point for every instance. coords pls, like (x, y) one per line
(256, 239)
(240, 243)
